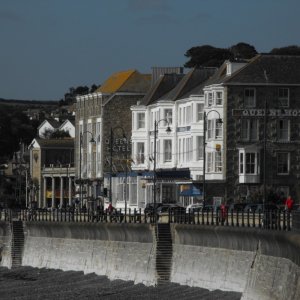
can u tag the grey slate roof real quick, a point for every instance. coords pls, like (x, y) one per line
(194, 78)
(66, 143)
(280, 69)
(162, 86)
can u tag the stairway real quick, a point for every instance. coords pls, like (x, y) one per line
(17, 244)
(163, 253)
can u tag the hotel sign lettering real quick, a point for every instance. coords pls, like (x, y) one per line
(270, 112)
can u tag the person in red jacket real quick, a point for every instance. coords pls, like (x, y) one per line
(223, 212)
(289, 203)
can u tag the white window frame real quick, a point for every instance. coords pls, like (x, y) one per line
(140, 154)
(249, 100)
(209, 162)
(167, 150)
(168, 115)
(199, 112)
(283, 130)
(210, 129)
(249, 129)
(249, 159)
(219, 98)
(199, 147)
(283, 99)
(218, 129)
(140, 120)
(279, 167)
(218, 161)
(210, 99)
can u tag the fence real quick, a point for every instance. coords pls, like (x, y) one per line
(274, 219)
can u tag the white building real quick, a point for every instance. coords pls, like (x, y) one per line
(176, 101)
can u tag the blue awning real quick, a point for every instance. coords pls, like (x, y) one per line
(192, 191)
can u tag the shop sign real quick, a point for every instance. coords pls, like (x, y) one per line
(270, 112)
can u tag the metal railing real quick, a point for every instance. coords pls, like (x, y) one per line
(274, 219)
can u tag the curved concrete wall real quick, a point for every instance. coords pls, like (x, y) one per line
(119, 251)
(262, 264)
(5, 244)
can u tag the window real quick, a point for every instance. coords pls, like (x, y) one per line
(167, 150)
(209, 161)
(283, 130)
(199, 147)
(241, 163)
(249, 97)
(249, 130)
(140, 153)
(179, 151)
(210, 129)
(199, 112)
(250, 163)
(282, 163)
(189, 149)
(283, 97)
(140, 120)
(210, 99)
(188, 115)
(219, 98)
(218, 161)
(219, 132)
(168, 115)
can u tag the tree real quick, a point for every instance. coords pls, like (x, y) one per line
(209, 56)
(60, 134)
(206, 56)
(288, 50)
(243, 50)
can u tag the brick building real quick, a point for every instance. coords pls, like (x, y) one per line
(259, 155)
(105, 118)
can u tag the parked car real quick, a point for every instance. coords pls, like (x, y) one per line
(195, 207)
(236, 207)
(150, 208)
(258, 207)
(174, 208)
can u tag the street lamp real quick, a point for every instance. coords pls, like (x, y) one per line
(80, 159)
(168, 130)
(204, 146)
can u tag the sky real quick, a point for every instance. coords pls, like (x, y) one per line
(48, 46)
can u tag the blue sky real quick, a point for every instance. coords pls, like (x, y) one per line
(48, 46)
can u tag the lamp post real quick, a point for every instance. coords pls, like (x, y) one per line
(265, 142)
(80, 160)
(168, 130)
(204, 147)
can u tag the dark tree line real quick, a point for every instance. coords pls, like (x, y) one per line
(209, 56)
(70, 96)
(15, 127)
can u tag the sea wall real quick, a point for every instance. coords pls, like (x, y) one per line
(262, 264)
(5, 244)
(119, 251)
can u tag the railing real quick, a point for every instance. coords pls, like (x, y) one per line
(275, 219)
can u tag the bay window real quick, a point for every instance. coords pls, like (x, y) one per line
(140, 120)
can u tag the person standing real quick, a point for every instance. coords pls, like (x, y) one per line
(289, 203)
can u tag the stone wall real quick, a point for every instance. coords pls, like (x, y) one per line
(115, 250)
(261, 264)
(5, 244)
